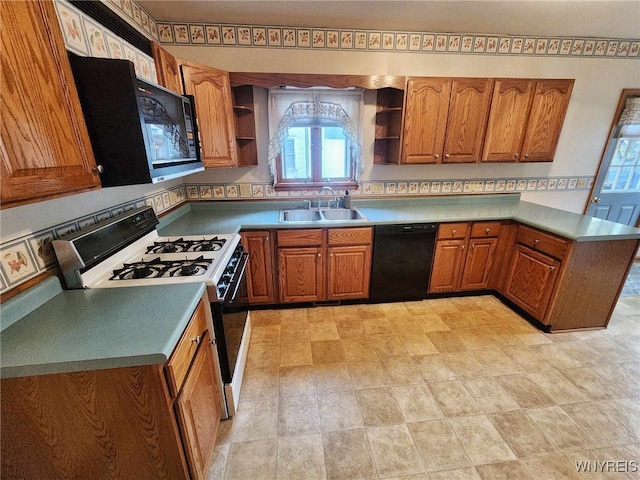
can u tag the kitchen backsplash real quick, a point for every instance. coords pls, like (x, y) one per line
(234, 191)
(25, 257)
(85, 37)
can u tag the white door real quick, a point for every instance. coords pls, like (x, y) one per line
(616, 193)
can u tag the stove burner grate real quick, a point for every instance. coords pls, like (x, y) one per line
(181, 245)
(157, 268)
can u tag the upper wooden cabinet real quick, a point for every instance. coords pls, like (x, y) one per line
(167, 69)
(445, 119)
(226, 123)
(45, 150)
(525, 120)
(214, 111)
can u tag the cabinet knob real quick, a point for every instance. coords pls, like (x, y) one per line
(197, 339)
(516, 155)
(462, 247)
(97, 169)
(552, 268)
(526, 155)
(487, 230)
(473, 245)
(454, 231)
(536, 242)
(266, 238)
(436, 156)
(447, 155)
(319, 255)
(212, 342)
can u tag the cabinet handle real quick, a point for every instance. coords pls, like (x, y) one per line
(516, 155)
(436, 156)
(197, 339)
(447, 155)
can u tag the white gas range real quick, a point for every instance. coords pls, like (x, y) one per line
(127, 251)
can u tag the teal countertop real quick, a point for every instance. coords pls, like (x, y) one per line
(76, 330)
(230, 217)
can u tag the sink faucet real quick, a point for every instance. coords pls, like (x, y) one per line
(332, 193)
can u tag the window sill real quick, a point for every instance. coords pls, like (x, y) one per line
(282, 187)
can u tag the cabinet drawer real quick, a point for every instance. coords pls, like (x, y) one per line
(452, 230)
(542, 242)
(300, 238)
(180, 360)
(485, 229)
(350, 236)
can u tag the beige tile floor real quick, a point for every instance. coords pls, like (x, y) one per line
(459, 388)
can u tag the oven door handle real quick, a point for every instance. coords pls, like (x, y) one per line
(235, 283)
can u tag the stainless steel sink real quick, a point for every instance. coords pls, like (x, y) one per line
(342, 214)
(300, 215)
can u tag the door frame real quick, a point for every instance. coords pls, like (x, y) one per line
(602, 169)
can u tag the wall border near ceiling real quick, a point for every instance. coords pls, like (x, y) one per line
(320, 38)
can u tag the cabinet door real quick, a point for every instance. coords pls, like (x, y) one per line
(260, 281)
(199, 409)
(477, 265)
(507, 120)
(548, 109)
(349, 272)
(447, 266)
(531, 280)
(167, 69)
(467, 120)
(425, 120)
(214, 110)
(300, 272)
(45, 150)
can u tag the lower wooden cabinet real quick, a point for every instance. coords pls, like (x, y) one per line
(324, 264)
(260, 272)
(531, 280)
(463, 256)
(301, 274)
(199, 409)
(116, 423)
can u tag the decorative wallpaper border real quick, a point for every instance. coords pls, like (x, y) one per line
(319, 38)
(224, 35)
(236, 191)
(25, 257)
(86, 37)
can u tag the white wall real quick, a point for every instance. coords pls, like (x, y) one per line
(598, 84)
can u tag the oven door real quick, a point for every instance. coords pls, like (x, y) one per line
(229, 321)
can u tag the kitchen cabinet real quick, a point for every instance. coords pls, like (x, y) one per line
(388, 128)
(349, 265)
(526, 119)
(214, 108)
(245, 125)
(146, 421)
(45, 150)
(167, 69)
(566, 284)
(260, 273)
(445, 119)
(464, 256)
(324, 264)
(226, 121)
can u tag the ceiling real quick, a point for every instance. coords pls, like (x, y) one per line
(568, 18)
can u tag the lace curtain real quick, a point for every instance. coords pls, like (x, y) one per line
(339, 107)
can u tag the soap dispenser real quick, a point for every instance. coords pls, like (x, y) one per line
(347, 199)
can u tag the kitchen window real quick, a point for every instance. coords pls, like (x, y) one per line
(315, 139)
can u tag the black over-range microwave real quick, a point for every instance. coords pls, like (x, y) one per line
(140, 132)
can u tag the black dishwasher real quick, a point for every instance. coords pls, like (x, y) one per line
(401, 265)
